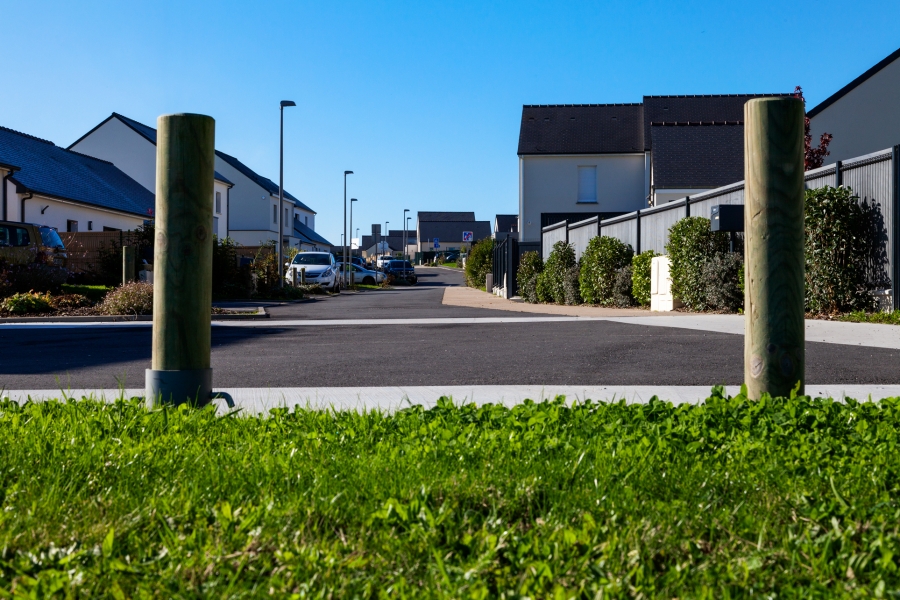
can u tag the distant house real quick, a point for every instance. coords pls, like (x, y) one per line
(578, 161)
(449, 230)
(246, 203)
(505, 224)
(864, 115)
(49, 185)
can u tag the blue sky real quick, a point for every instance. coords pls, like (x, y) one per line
(422, 100)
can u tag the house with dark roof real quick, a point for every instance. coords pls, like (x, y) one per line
(578, 161)
(49, 185)
(864, 115)
(504, 225)
(437, 231)
(246, 206)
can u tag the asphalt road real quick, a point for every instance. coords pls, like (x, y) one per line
(539, 353)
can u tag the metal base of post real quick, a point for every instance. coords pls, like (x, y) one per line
(192, 386)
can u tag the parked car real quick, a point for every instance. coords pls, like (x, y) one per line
(320, 268)
(382, 260)
(363, 276)
(20, 241)
(400, 270)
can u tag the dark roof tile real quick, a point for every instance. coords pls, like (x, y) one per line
(451, 232)
(426, 216)
(697, 156)
(581, 129)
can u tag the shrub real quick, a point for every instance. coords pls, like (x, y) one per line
(838, 246)
(27, 303)
(557, 270)
(228, 279)
(603, 257)
(69, 301)
(640, 277)
(38, 275)
(480, 262)
(621, 290)
(134, 298)
(723, 282)
(691, 245)
(530, 266)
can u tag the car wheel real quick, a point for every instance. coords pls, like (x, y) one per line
(336, 288)
(368, 281)
(414, 280)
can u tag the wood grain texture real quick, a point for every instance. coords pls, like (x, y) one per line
(774, 355)
(127, 264)
(182, 294)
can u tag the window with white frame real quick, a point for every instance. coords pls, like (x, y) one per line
(587, 184)
(218, 202)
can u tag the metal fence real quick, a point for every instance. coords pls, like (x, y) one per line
(505, 266)
(875, 178)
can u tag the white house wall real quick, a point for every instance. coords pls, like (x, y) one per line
(549, 184)
(57, 213)
(865, 120)
(132, 153)
(221, 217)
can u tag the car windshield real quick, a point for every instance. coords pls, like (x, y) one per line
(50, 238)
(306, 258)
(400, 264)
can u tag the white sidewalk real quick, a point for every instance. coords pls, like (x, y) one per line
(260, 400)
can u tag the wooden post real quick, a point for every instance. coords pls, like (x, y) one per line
(183, 260)
(127, 264)
(774, 353)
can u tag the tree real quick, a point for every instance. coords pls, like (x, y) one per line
(815, 157)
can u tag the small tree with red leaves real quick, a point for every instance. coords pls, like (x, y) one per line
(814, 157)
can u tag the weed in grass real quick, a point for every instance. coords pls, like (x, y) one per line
(886, 318)
(777, 498)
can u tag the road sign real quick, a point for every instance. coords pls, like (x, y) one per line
(467, 236)
(437, 243)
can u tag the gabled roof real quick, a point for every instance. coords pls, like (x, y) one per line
(506, 224)
(452, 231)
(424, 216)
(305, 233)
(49, 170)
(853, 84)
(581, 129)
(263, 182)
(697, 156)
(149, 133)
(695, 109)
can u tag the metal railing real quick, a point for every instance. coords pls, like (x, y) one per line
(505, 266)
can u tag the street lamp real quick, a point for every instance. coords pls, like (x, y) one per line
(284, 103)
(352, 200)
(344, 276)
(403, 236)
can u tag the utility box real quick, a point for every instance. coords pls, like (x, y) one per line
(661, 297)
(726, 217)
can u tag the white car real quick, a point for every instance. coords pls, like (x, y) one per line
(320, 268)
(385, 258)
(363, 276)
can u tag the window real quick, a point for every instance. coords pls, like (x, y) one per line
(71, 226)
(274, 214)
(14, 236)
(587, 184)
(216, 225)
(218, 202)
(306, 221)
(286, 218)
(90, 225)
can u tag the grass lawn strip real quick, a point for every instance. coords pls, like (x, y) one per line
(731, 498)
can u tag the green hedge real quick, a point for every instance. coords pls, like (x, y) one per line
(530, 267)
(691, 245)
(479, 263)
(557, 276)
(603, 259)
(640, 277)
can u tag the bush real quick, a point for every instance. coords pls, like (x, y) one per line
(723, 282)
(838, 245)
(621, 291)
(228, 279)
(530, 266)
(602, 259)
(641, 266)
(70, 301)
(38, 275)
(134, 298)
(691, 245)
(27, 303)
(479, 263)
(552, 282)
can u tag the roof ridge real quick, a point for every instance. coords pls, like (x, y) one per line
(715, 95)
(580, 105)
(121, 116)
(89, 156)
(867, 74)
(693, 123)
(28, 135)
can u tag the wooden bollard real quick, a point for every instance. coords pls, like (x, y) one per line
(182, 295)
(127, 264)
(774, 353)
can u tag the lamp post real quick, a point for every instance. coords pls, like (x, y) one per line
(344, 276)
(350, 245)
(403, 235)
(284, 103)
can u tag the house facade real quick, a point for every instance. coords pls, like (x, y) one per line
(864, 115)
(505, 225)
(45, 184)
(245, 203)
(578, 161)
(439, 231)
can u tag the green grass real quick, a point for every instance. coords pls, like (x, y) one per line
(95, 293)
(452, 265)
(887, 318)
(780, 498)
